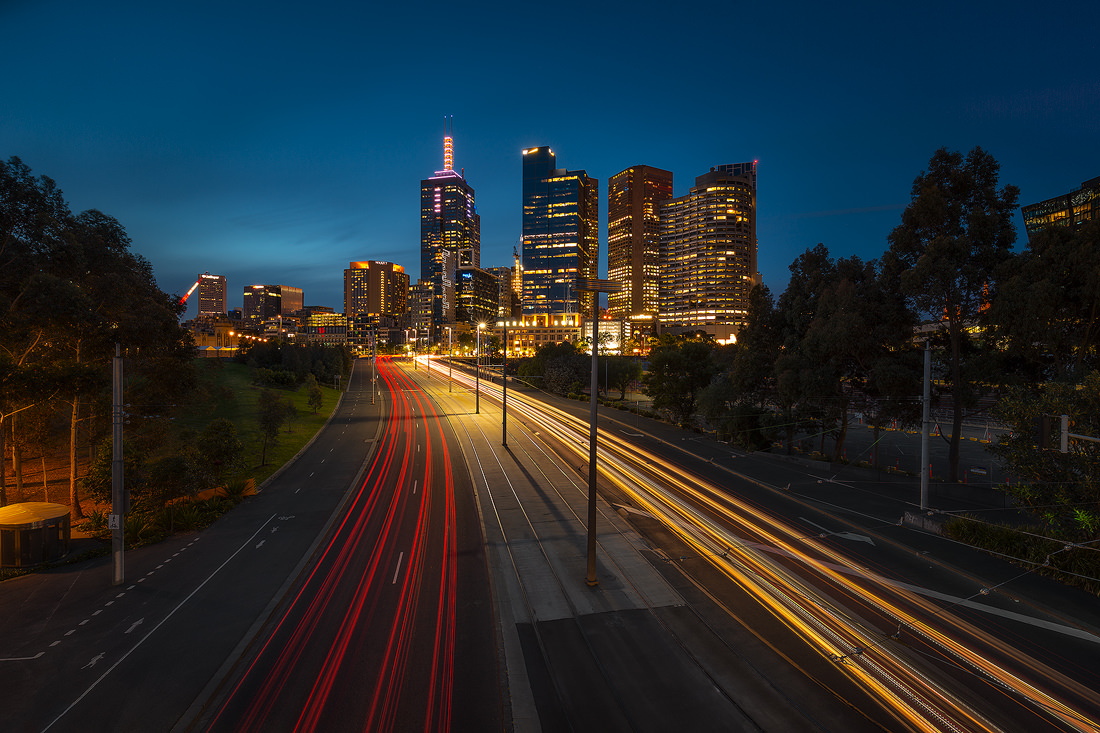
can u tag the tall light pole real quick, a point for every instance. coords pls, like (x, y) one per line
(373, 363)
(595, 287)
(504, 385)
(477, 371)
(449, 382)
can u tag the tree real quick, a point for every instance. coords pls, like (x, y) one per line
(316, 395)
(1061, 489)
(220, 450)
(679, 369)
(1045, 309)
(954, 235)
(622, 371)
(271, 413)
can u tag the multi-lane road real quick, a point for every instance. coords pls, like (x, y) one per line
(410, 572)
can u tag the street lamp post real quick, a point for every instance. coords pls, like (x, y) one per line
(373, 363)
(449, 354)
(595, 287)
(504, 386)
(477, 372)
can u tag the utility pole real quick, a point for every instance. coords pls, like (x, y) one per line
(504, 387)
(926, 410)
(118, 488)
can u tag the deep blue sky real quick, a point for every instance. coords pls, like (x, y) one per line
(275, 142)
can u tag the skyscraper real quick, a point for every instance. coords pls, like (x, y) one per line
(212, 294)
(634, 197)
(376, 288)
(450, 235)
(560, 234)
(708, 252)
(262, 302)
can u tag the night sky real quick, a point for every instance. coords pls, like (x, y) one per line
(275, 142)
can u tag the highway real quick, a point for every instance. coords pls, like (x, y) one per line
(933, 661)
(370, 639)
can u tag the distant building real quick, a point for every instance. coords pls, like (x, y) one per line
(708, 253)
(421, 298)
(478, 295)
(507, 298)
(1070, 210)
(450, 236)
(560, 234)
(212, 294)
(376, 288)
(264, 302)
(325, 328)
(534, 330)
(634, 199)
(216, 335)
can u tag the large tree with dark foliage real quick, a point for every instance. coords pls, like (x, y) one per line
(954, 235)
(70, 289)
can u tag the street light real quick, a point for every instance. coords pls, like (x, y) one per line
(595, 287)
(477, 371)
(504, 385)
(449, 383)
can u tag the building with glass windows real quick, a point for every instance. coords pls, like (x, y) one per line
(634, 198)
(376, 288)
(560, 234)
(708, 253)
(263, 302)
(212, 295)
(478, 295)
(1070, 210)
(450, 236)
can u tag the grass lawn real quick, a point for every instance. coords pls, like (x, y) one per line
(226, 390)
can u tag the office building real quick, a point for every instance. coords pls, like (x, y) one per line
(634, 198)
(708, 253)
(421, 301)
(560, 234)
(1070, 210)
(264, 302)
(212, 295)
(478, 295)
(376, 288)
(507, 297)
(450, 236)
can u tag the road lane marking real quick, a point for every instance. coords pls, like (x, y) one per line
(261, 544)
(93, 661)
(153, 630)
(134, 625)
(398, 568)
(415, 485)
(843, 535)
(25, 659)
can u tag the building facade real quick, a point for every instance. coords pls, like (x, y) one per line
(1070, 210)
(212, 295)
(560, 234)
(263, 302)
(376, 288)
(634, 199)
(708, 253)
(450, 236)
(421, 300)
(478, 295)
(532, 331)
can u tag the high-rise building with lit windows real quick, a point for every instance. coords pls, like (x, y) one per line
(376, 288)
(634, 197)
(212, 294)
(1070, 210)
(708, 253)
(560, 234)
(450, 235)
(263, 302)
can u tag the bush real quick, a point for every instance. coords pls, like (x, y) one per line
(1021, 546)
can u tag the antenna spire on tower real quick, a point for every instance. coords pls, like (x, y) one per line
(448, 143)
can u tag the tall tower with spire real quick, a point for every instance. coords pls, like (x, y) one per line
(450, 233)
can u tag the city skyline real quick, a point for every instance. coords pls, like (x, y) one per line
(278, 146)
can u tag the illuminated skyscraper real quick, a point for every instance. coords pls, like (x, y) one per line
(708, 252)
(212, 294)
(634, 197)
(560, 234)
(375, 288)
(450, 235)
(262, 302)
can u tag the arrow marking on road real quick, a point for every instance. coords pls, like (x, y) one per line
(632, 435)
(95, 659)
(843, 535)
(134, 625)
(260, 544)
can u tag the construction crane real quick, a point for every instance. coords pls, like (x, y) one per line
(185, 297)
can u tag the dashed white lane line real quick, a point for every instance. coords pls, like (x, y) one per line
(398, 568)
